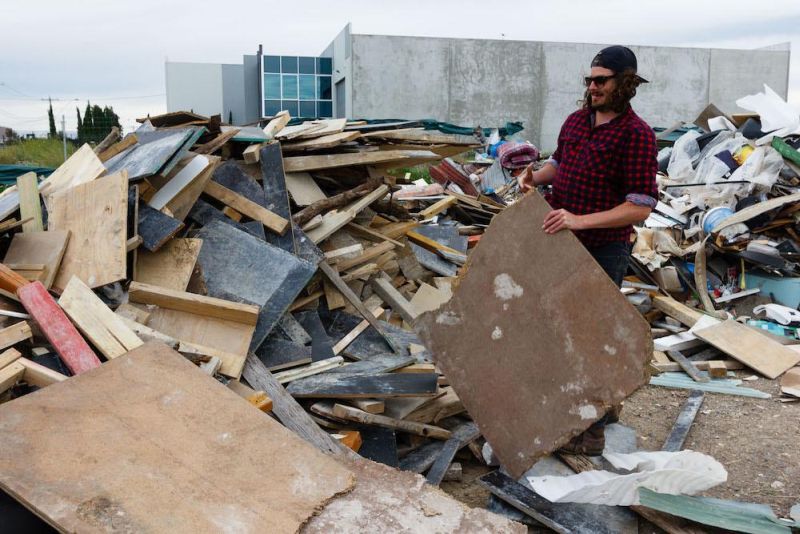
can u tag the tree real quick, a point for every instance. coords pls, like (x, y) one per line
(97, 123)
(230, 117)
(80, 126)
(52, 118)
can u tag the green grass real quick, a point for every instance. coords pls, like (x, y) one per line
(416, 172)
(39, 152)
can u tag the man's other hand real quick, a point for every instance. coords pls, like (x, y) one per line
(525, 179)
(558, 220)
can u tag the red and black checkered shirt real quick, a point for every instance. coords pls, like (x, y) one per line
(600, 168)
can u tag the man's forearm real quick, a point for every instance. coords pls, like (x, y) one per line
(545, 175)
(623, 215)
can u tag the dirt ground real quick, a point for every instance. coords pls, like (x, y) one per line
(757, 440)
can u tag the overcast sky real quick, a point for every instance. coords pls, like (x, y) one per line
(113, 53)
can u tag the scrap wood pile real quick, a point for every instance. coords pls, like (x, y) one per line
(277, 260)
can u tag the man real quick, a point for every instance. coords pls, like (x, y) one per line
(603, 176)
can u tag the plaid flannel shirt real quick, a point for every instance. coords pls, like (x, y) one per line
(600, 168)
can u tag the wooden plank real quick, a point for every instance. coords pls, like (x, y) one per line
(38, 375)
(95, 214)
(9, 356)
(753, 349)
(419, 135)
(191, 303)
(171, 267)
(277, 124)
(210, 430)
(311, 211)
(462, 435)
(290, 132)
(369, 233)
(252, 154)
(259, 399)
(334, 220)
(717, 369)
(355, 332)
(394, 299)
(82, 167)
(182, 204)
(10, 375)
(726, 365)
(332, 255)
(683, 423)
(381, 386)
(120, 146)
(326, 141)
(369, 254)
(288, 411)
(30, 206)
(273, 222)
(687, 366)
(303, 189)
(677, 310)
(10, 281)
(349, 413)
(369, 405)
(608, 361)
(39, 247)
(308, 370)
(438, 207)
(216, 143)
(96, 321)
(333, 161)
(434, 246)
(329, 126)
(11, 335)
(58, 330)
(178, 181)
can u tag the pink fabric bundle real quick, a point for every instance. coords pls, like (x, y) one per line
(517, 155)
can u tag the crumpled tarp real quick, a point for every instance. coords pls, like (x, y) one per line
(10, 173)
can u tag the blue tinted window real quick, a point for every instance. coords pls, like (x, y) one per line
(290, 106)
(324, 65)
(271, 107)
(324, 109)
(307, 65)
(272, 64)
(290, 86)
(272, 86)
(308, 109)
(289, 64)
(307, 89)
(325, 92)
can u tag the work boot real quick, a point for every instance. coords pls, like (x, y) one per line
(612, 415)
(590, 443)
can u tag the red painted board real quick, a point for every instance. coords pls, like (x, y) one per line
(57, 328)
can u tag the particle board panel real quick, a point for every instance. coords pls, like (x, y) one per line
(579, 356)
(45, 248)
(748, 346)
(96, 214)
(230, 337)
(237, 266)
(276, 195)
(171, 267)
(186, 454)
(156, 228)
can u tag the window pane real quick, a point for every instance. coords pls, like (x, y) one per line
(325, 92)
(307, 65)
(307, 109)
(307, 89)
(289, 64)
(271, 107)
(290, 86)
(325, 109)
(324, 65)
(272, 86)
(290, 106)
(272, 64)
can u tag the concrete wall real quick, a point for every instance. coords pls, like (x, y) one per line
(340, 51)
(252, 89)
(194, 86)
(489, 82)
(233, 102)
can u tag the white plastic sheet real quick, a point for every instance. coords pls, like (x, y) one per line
(675, 473)
(778, 117)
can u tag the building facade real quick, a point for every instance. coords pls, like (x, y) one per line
(468, 81)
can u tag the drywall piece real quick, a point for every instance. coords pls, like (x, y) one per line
(585, 347)
(173, 461)
(171, 267)
(95, 214)
(237, 266)
(178, 183)
(46, 248)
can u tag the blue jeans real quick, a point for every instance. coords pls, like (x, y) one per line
(613, 258)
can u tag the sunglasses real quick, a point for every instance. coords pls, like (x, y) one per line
(599, 81)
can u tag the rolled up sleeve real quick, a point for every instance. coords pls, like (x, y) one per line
(640, 167)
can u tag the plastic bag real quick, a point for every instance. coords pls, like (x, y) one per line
(762, 169)
(685, 153)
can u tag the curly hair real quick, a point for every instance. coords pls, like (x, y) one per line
(627, 82)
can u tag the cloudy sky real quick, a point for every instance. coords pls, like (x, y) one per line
(113, 53)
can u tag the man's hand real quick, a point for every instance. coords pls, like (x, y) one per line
(525, 179)
(558, 220)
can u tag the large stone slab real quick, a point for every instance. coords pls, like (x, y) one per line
(537, 341)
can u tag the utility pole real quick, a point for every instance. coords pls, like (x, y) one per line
(64, 134)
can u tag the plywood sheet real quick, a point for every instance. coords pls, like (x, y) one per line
(46, 248)
(81, 167)
(171, 266)
(178, 452)
(303, 188)
(537, 341)
(96, 215)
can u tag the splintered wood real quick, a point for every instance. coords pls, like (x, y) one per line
(159, 415)
(555, 353)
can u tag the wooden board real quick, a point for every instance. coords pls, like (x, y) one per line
(334, 220)
(96, 321)
(58, 330)
(333, 161)
(171, 267)
(326, 141)
(192, 303)
(463, 434)
(577, 356)
(389, 385)
(182, 204)
(95, 214)
(46, 248)
(329, 126)
(273, 222)
(82, 166)
(30, 205)
(13, 334)
(178, 439)
(303, 189)
(753, 349)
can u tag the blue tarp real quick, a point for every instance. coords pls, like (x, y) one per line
(9, 173)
